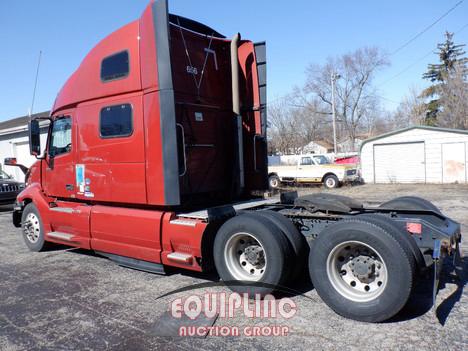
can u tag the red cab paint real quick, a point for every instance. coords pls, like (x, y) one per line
(144, 131)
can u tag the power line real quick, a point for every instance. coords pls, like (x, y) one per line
(427, 28)
(387, 99)
(404, 70)
(461, 29)
(401, 48)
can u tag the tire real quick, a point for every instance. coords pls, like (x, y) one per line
(340, 278)
(410, 203)
(234, 236)
(407, 242)
(274, 182)
(32, 228)
(331, 181)
(296, 239)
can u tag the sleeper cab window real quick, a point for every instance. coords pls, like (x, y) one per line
(116, 121)
(61, 138)
(116, 66)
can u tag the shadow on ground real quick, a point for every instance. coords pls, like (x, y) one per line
(420, 301)
(5, 209)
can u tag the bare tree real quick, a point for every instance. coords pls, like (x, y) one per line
(411, 111)
(283, 131)
(355, 97)
(454, 99)
(312, 121)
(294, 122)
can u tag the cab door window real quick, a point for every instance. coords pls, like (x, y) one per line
(306, 161)
(61, 138)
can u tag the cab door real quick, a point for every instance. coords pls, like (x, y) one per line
(308, 170)
(69, 220)
(59, 169)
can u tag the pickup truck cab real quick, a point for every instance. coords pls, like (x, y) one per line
(313, 169)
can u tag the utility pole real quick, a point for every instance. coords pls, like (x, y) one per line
(333, 79)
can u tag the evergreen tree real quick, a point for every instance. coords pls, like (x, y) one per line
(450, 55)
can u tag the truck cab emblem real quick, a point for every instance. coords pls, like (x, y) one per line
(192, 70)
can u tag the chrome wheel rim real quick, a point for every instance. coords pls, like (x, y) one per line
(32, 228)
(330, 183)
(245, 257)
(274, 183)
(357, 271)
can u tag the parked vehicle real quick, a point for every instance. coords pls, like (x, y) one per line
(312, 169)
(151, 162)
(348, 160)
(9, 189)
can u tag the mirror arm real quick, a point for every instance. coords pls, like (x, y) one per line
(23, 168)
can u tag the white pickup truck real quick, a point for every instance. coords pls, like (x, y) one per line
(313, 169)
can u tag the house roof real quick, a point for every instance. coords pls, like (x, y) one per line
(321, 143)
(398, 131)
(16, 124)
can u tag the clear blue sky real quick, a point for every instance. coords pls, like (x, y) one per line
(297, 33)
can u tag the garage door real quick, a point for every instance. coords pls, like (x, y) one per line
(399, 163)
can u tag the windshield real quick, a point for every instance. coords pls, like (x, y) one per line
(3, 175)
(321, 160)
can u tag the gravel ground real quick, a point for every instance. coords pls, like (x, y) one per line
(73, 299)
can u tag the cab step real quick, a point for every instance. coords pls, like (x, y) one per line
(180, 257)
(134, 263)
(60, 236)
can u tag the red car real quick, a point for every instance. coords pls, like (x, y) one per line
(348, 160)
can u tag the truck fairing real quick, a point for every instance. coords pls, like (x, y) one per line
(183, 138)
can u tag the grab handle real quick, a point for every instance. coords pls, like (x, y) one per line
(183, 143)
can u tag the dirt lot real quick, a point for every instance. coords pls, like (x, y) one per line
(72, 299)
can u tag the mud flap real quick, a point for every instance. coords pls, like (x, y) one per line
(437, 263)
(17, 214)
(457, 262)
(437, 258)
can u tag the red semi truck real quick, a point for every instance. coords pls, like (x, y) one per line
(156, 157)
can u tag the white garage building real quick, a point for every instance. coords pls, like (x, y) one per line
(416, 155)
(14, 142)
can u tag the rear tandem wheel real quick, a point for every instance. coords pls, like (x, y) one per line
(361, 271)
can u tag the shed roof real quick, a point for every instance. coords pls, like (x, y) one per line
(12, 125)
(398, 131)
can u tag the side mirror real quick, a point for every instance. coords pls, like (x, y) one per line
(11, 161)
(34, 138)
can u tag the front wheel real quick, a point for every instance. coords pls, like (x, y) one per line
(361, 271)
(32, 228)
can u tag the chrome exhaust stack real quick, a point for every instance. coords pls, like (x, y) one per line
(236, 109)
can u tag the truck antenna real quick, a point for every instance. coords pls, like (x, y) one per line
(35, 84)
